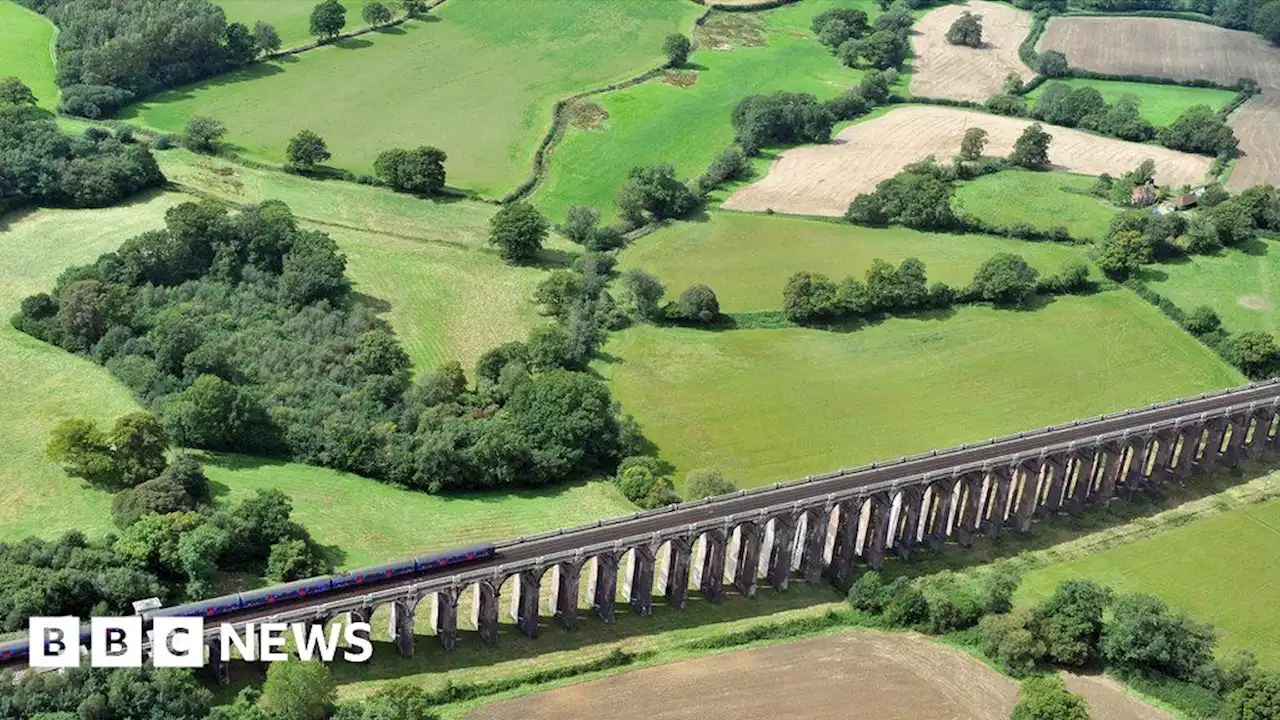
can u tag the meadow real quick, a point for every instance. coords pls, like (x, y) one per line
(747, 259)
(1159, 104)
(291, 18)
(775, 404)
(1043, 200)
(1241, 285)
(1220, 569)
(659, 122)
(478, 84)
(27, 51)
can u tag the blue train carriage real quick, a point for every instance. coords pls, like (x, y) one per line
(20, 649)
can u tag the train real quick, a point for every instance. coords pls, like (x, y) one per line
(16, 650)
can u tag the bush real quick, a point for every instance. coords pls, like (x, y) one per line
(653, 190)
(700, 484)
(781, 118)
(1008, 640)
(518, 230)
(1046, 698)
(906, 606)
(1255, 353)
(420, 170)
(1144, 635)
(1200, 130)
(642, 482)
(1005, 279)
(93, 101)
(1052, 64)
(1003, 104)
(730, 164)
(1203, 320)
(202, 134)
(1070, 622)
(869, 593)
(676, 47)
(698, 304)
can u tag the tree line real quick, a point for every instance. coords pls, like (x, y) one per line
(39, 165)
(1259, 16)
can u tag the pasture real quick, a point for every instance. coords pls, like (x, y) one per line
(824, 179)
(1241, 285)
(1220, 569)
(291, 18)
(941, 69)
(1043, 200)
(1159, 104)
(26, 50)
(773, 405)
(746, 259)
(657, 122)
(476, 83)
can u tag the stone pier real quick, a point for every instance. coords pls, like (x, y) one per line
(401, 630)
(639, 590)
(219, 668)
(1086, 462)
(444, 611)
(748, 558)
(604, 596)
(525, 592)
(784, 546)
(1212, 446)
(877, 529)
(677, 572)
(484, 611)
(909, 523)
(1028, 493)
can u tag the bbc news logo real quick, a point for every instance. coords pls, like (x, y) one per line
(117, 642)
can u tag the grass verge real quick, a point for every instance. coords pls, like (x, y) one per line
(27, 51)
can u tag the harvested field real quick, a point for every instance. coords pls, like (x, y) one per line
(899, 676)
(1257, 125)
(1161, 47)
(824, 179)
(941, 69)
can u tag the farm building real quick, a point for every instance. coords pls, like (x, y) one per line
(1143, 195)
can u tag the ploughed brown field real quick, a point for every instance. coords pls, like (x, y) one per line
(824, 179)
(1187, 50)
(854, 674)
(941, 69)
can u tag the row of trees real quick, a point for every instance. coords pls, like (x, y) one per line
(1260, 16)
(1004, 279)
(39, 165)
(329, 17)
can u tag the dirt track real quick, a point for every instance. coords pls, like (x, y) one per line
(824, 179)
(836, 677)
(941, 69)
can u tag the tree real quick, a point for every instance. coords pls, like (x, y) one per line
(1143, 635)
(375, 14)
(1233, 222)
(881, 49)
(569, 418)
(781, 118)
(558, 292)
(14, 92)
(418, 171)
(138, 443)
(297, 690)
(676, 47)
(654, 189)
(974, 142)
(1200, 130)
(875, 85)
(312, 270)
(83, 451)
(698, 304)
(808, 296)
(1005, 279)
(1052, 64)
(214, 414)
(966, 30)
(306, 150)
(327, 19)
(1255, 353)
(1046, 698)
(1008, 640)
(160, 496)
(518, 230)
(1070, 621)
(1257, 699)
(836, 26)
(645, 292)
(1122, 253)
(700, 484)
(1266, 22)
(1031, 150)
(239, 44)
(414, 8)
(579, 223)
(266, 38)
(202, 134)
(1203, 320)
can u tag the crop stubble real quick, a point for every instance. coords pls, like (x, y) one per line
(941, 69)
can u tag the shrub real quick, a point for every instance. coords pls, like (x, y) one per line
(698, 304)
(415, 171)
(1203, 320)
(1255, 353)
(1144, 635)
(518, 230)
(781, 118)
(644, 292)
(1008, 640)
(1200, 130)
(655, 191)
(1004, 104)
(1070, 621)
(1005, 279)
(869, 593)
(93, 101)
(676, 47)
(906, 606)
(202, 134)
(1046, 698)
(306, 150)
(700, 484)
(1052, 64)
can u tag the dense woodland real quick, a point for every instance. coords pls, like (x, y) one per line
(39, 165)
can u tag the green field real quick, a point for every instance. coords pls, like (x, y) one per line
(291, 18)
(1160, 104)
(26, 50)
(1043, 200)
(687, 126)
(451, 297)
(747, 259)
(1223, 569)
(771, 405)
(476, 83)
(1242, 285)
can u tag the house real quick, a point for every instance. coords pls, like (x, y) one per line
(1143, 195)
(1182, 202)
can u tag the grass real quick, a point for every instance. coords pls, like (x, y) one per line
(747, 259)
(291, 18)
(1222, 569)
(1041, 199)
(27, 51)
(1160, 104)
(771, 405)
(688, 126)
(428, 264)
(475, 82)
(1242, 285)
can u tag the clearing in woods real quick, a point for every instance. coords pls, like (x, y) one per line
(291, 18)
(1241, 285)
(477, 84)
(746, 259)
(891, 388)
(1044, 200)
(824, 179)
(899, 676)
(26, 51)
(1159, 104)
(941, 69)
(1186, 50)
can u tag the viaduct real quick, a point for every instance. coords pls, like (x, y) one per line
(829, 525)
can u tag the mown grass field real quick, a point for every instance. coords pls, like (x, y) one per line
(658, 122)
(747, 259)
(291, 18)
(1159, 104)
(427, 264)
(476, 83)
(1222, 569)
(26, 50)
(1241, 285)
(770, 405)
(1043, 200)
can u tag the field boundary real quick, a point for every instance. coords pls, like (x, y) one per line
(313, 44)
(753, 7)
